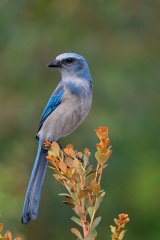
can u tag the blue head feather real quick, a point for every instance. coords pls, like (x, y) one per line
(75, 65)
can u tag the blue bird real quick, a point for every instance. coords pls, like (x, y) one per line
(66, 109)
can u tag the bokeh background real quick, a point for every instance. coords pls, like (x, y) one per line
(121, 42)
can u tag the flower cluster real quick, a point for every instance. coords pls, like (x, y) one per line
(72, 169)
(7, 236)
(121, 222)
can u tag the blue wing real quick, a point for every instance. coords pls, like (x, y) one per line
(52, 104)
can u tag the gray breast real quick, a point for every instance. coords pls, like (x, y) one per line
(66, 117)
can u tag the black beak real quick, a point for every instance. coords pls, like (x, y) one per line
(55, 63)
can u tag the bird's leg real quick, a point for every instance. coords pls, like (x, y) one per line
(80, 159)
(61, 147)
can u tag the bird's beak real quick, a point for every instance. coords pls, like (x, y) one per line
(55, 63)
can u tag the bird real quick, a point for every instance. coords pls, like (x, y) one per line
(67, 107)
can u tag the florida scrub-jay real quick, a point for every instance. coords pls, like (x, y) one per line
(66, 109)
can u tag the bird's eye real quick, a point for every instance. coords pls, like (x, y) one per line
(69, 60)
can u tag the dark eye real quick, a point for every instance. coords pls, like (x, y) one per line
(69, 60)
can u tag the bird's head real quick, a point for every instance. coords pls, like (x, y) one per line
(72, 65)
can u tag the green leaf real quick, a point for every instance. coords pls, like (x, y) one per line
(101, 191)
(89, 169)
(69, 198)
(77, 233)
(121, 235)
(83, 202)
(78, 188)
(106, 165)
(74, 196)
(91, 211)
(55, 147)
(89, 236)
(50, 152)
(97, 156)
(61, 154)
(60, 177)
(76, 220)
(103, 158)
(113, 229)
(94, 232)
(56, 176)
(95, 223)
(100, 198)
(116, 221)
(89, 178)
(64, 194)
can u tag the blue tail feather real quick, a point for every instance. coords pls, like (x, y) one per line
(33, 194)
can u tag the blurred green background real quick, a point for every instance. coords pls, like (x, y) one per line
(121, 42)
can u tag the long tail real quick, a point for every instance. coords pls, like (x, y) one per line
(33, 194)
